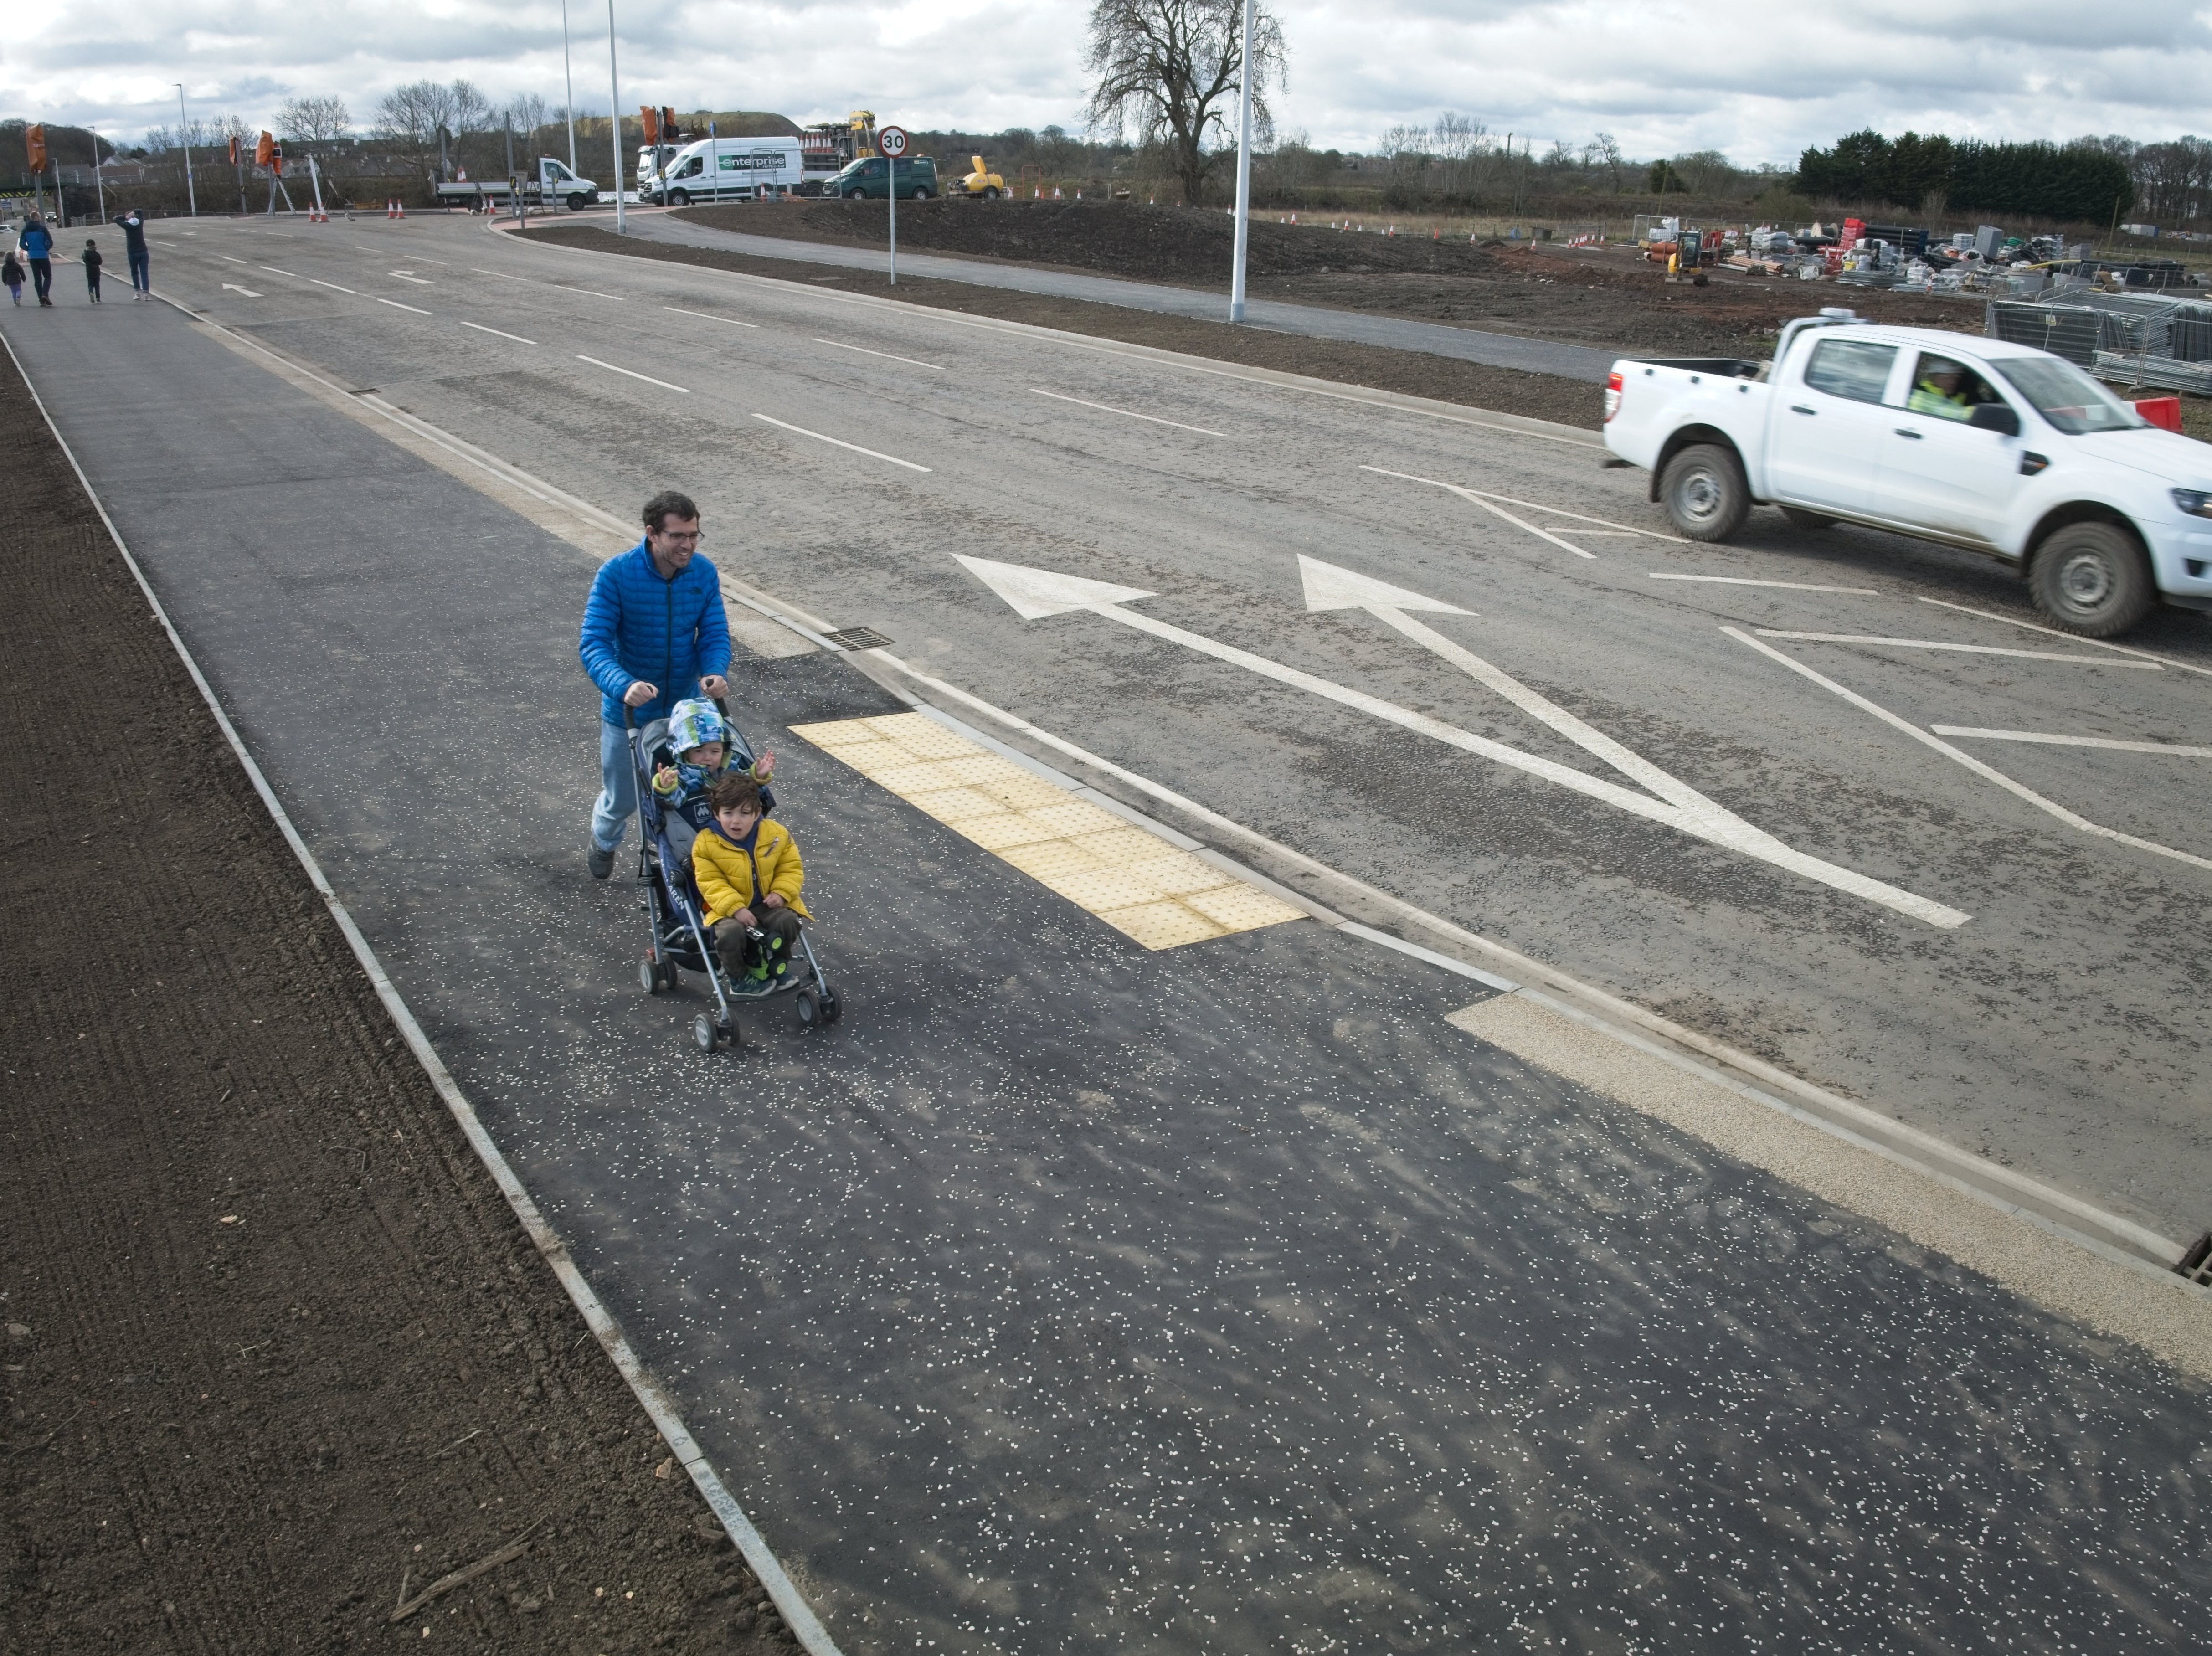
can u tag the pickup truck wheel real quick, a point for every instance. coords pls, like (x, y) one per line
(1808, 521)
(1704, 492)
(2093, 578)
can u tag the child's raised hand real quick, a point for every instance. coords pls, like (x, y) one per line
(764, 766)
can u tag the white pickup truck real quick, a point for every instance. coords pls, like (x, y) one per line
(1975, 443)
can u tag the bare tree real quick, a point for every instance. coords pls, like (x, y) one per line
(1602, 154)
(412, 114)
(1459, 141)
(313, 121)
(1173, 70)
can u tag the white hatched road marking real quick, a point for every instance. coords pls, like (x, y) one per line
(2052, 632)
(633, 374)
(822, 437)
(1966, 649)
(2055, 740)
(1988, 771)
(1126, 414)
(1496, 511)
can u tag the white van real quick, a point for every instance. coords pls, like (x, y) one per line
(726, 169)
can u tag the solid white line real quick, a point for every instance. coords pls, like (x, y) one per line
(821, 438)
(1126, 414)
(1967, 649)
(1793, 585)
(886, 355)
(704, 317)
(2173, 748)
(2071, 638)
(633, 374)
(659, 1405)
(480, 327)
(397, 306)
(1496, 511)
(1972, 763)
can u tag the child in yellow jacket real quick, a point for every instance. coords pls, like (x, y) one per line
(747, 869)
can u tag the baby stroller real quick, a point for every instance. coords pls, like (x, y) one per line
(680, 941)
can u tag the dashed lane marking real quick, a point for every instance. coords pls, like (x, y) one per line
(704, 317)
(1966, 649)
(1137, 883)
(836, 344)
(2115, 743)
(822, 437)
(593, 292)
(633, 374)
(397, 306)
(1126, 414)
(480, 327)
(1789, 585)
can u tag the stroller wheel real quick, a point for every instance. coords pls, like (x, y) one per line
(706, 1031)
(649, 975)
(832, 1008)
(810, 1008)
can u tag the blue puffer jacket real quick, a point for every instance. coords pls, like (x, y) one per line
(671, 634)
(36, 241)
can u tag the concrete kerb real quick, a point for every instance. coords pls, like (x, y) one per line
(1457, 414)
(659, 1405)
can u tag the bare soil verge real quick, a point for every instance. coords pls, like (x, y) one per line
(1596, 296)
(1413, 373)
(276, 1350)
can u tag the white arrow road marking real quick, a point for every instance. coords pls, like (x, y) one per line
(232, 286)
(1036, 593)
(1965, 649)
(1966, 759)
(2112, 741)
(1497, 511)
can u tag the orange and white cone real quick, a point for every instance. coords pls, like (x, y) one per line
(391, 208)
(399, 209)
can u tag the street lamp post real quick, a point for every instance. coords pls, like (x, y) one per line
(185, 137)
(568, 76)
(1243, 174)
(614, 115)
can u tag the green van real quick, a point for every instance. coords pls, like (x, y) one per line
(869, 177)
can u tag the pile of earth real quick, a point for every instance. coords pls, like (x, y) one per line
(1179, 245)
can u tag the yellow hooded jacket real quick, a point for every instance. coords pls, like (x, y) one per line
(730, 878)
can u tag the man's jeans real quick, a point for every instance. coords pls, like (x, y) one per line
(617, 790)
(141, 276)
(42, 278)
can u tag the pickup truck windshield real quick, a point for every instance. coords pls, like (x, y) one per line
(2068, 398)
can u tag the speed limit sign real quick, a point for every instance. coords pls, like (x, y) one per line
(891, 140)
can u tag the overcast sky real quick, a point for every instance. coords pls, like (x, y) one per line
(1758, 78)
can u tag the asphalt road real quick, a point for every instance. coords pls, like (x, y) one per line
(1074, 1297)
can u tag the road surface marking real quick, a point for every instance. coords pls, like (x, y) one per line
(232, 288)
(1126, 414)
(1129, 878)
(2072, 638)
(235, 261)
(1967, 649)
(1988, 772)
(501, 275)
(397, 306)
(1470, 494)
(820, 437)
(420, 281)
(1625, 534)
(704, 317)
(593, 292)
(2173, 748)
(480, 327)
(1561, 512)
(1792, 586)
(838, 345)
(633, 374)
(320, 282)
(1034, 594)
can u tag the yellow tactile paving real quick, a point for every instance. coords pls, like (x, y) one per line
(1135, 882)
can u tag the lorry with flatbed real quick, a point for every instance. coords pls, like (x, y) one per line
(2001, 449)
(550, 182)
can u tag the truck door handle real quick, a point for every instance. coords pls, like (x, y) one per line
(1907, 431)
(1799, 408)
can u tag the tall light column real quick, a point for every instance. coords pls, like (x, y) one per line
(184, 137)
(1244, 173)
(614, 115)
(568, 75)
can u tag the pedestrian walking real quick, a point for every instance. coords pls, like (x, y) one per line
(655, 610)
(11, 272)
(92, 263)
(37, 244)
(134, 250)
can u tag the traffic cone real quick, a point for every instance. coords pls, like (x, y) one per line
(400, 209)
(391, 208)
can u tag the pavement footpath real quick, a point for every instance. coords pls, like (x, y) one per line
(1071, 1295)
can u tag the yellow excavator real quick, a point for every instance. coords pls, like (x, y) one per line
(982, 184)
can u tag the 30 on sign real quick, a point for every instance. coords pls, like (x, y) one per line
(891, 140)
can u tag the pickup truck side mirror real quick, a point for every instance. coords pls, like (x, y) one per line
(1994, 416)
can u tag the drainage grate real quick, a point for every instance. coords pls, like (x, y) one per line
(2196, 1264)
(857, 637)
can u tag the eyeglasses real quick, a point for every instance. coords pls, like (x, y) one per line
(691, 539)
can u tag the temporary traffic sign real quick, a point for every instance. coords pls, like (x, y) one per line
(891, 140)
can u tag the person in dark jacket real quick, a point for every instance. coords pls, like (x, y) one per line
(36, 243)
(133, 226)
(653, 628)
(11, 272)
(92, 263)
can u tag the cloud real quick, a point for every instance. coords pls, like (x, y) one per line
(1755, 79)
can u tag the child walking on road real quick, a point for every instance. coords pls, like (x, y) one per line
(92, 263)
(11, 272)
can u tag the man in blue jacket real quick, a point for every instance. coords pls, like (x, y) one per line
(37, 243)
(653, 627)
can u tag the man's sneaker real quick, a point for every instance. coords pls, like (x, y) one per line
(601, 861)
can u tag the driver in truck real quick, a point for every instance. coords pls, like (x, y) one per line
(1947, 389)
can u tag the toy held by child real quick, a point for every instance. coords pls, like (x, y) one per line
(748, 870)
